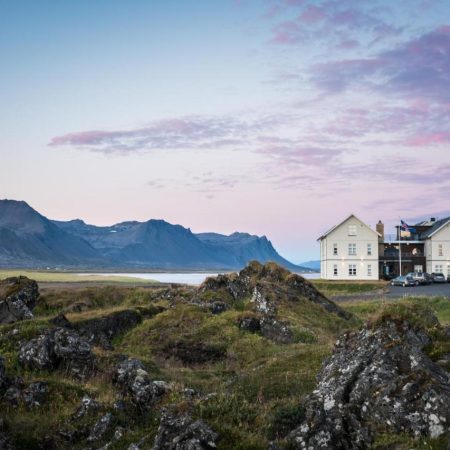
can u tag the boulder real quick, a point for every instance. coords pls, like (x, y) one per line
(39, 353)
(32, 396)
(12, 396)
(3, 378)
(58, 348)
(266, 285)
(101, 330)
(379, 379)
(181, 432)
(18, 296)
(192, 353)
(35, 394)
(276, 330)
(135, 382)
(87, 406)
(5, 442)
(101, 427)
(250, 323)
(61, 321)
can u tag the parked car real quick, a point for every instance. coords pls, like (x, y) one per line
(421, 277)
(404, 281)
(448, 279)
(438, 278)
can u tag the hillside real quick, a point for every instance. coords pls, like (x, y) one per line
(312, 265)
(28, 239)
(244, 247)
(229, 365)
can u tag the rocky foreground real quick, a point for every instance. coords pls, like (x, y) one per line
(232, 364)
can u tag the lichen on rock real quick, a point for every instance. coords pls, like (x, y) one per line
(378, 380)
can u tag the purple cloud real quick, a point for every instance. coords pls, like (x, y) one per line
(177, 133)
(419, 69)
(329, 19)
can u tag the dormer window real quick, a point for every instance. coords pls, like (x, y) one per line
(352, 230)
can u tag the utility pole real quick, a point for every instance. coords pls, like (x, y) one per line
(400, 248)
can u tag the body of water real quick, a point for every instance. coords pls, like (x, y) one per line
(194, 278)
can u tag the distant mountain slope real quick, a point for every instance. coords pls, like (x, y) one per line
(244, 247)
(311, 265)
(29, 239)
(159, 244)
(153, 244)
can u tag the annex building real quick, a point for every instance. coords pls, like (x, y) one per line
(352, 250)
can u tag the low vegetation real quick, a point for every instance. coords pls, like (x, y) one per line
(337, 288)
(246, 387)
(68, 277)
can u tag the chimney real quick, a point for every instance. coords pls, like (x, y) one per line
(379, 227)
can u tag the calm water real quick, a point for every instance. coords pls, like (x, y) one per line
(194, 278)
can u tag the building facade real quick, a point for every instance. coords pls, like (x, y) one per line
(349, 251)
(352, 250)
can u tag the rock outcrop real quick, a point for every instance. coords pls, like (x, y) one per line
(181, 432)
(101, 330)
(266, 287)
(378, 380)
(135, 382)
(269, 282)
(18, 296)
(3, 379)
(58, 348)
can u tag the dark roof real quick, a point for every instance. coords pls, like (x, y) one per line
(437, 225)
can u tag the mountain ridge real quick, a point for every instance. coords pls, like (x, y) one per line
(29, 239)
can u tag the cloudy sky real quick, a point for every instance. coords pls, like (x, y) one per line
(276, 117)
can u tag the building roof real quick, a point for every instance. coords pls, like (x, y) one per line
(345, 220)
(435, 228)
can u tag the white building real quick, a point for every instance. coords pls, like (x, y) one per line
(349, 251)
(437, 247)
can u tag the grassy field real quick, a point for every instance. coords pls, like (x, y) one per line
(367, 309)
(67, 277)
(335, 288)
(257, 386)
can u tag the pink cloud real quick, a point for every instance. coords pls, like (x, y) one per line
(419, 68)
(312, 14)
(427, 139)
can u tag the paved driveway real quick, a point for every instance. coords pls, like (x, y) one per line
(439, 289)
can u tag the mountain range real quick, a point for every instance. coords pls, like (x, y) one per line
(29, 239)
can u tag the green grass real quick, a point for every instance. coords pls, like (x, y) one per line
(66, 277)
(368, 309)
(332, 288)
(257, 386)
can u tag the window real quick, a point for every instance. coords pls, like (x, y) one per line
(352, 249)
(369, 249)
(335, 270)
(440, 250)
(438, 268)
(448, 270)
(369, 270)
(335, 249)
(352, 230)
(352, 270)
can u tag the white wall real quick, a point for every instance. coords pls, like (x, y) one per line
(442, 237)
(340, 236)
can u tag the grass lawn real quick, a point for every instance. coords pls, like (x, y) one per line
(65, 277)
(367, 309)
(332, 288)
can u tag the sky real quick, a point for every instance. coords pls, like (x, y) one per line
(274, 117)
